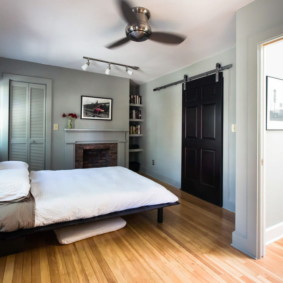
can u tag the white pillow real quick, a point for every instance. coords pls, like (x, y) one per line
(70, 234)
(14, 184)
(13, 165)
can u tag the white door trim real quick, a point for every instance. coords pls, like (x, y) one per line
(261, 106)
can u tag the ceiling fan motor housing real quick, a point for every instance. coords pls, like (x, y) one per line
(141, 30)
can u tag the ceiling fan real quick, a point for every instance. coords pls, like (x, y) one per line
(138, 28)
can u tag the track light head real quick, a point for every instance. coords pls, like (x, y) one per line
(108, 70)
(85, 65)
(129, 71)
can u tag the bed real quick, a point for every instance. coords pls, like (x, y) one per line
(45, 200)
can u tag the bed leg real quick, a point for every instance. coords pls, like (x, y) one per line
(160, 215)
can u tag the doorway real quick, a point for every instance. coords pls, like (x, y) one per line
(202, 141)
(272, 139)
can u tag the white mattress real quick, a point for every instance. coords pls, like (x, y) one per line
(66, 195)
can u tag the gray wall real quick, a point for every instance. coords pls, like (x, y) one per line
(68, 86)
(163, 125)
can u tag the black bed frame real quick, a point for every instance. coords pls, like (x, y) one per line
(12, 242)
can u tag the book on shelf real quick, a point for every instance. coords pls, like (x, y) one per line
(135, 114)
(135, 99)
(135, 129)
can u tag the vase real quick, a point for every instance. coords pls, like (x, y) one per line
(70, 123)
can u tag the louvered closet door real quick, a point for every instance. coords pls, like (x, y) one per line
(37, 127)
(27, 124)
(18, 133)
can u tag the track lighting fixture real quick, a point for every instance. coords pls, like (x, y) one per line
(107, 71)
(86, 65)
(129, 69)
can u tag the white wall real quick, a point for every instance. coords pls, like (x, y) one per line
(255, 24)
(273, 60)
(163, 125)
(68, 86)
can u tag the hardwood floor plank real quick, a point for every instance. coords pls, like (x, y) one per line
(99, 260)
(2, 267)
(143, 268)
(118, 263)
(56, 262)
(26, 270)
(35, 261)
(9, 269)
(79, 268)
(44, 265)
(142, 259)
(68, 251)
(173, 252)
(89, 262)
(17, 274)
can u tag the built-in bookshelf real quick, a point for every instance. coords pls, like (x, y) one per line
(135, 128)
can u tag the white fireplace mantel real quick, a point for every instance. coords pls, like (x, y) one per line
(79, 136)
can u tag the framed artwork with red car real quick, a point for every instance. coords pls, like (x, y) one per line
(96, 108)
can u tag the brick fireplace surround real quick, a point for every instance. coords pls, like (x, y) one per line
(95, 155)
(91, 137)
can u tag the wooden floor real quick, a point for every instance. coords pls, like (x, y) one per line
(192, 245)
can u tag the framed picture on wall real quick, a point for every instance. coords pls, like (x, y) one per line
(274, 103)
(96, 108)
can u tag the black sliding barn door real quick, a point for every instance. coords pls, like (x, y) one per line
(203, 138)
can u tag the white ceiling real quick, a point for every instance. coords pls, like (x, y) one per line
(61, 32)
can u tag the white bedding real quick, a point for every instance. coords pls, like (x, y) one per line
(66, 195)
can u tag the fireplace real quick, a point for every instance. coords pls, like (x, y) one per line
(91, 137)
(95, 155)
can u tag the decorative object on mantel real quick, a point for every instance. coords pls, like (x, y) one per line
(70, 119)
(129, 69)
(96, 108)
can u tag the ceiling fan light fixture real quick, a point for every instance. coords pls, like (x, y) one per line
(85, 65)
(108, 70)
(138, 28)
(139, 32)
(129, 71)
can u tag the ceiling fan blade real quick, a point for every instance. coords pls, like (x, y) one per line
(127, 12)
(168, 38)
(118, 43)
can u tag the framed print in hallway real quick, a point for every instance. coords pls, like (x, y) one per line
(274, 103)
(96, 108)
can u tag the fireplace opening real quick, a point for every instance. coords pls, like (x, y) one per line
(95, 155)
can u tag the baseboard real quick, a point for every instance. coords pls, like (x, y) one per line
(242, 244)
(273, 233)
(229, 206)
(161, 178)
